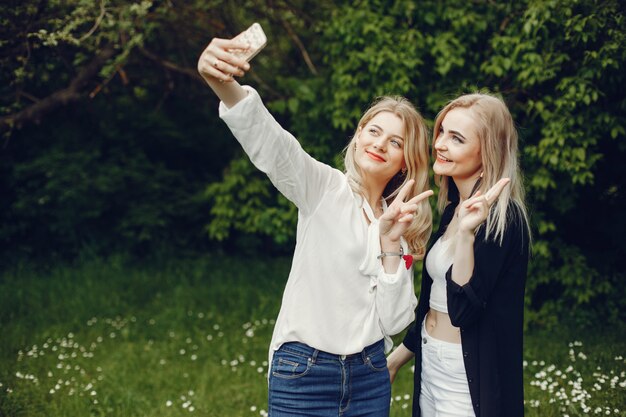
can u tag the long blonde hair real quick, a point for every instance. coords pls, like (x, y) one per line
(415, 158)
(498, 148)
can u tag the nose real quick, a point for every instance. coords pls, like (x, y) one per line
(380, 143)
(439, 144)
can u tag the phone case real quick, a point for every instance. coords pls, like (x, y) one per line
(255, 37)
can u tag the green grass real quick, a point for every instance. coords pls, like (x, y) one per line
(190, 337)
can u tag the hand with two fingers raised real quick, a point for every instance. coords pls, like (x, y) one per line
(398, 216)
(474, 211)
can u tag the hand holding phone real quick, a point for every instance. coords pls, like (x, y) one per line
(253, 36)
(224, 59)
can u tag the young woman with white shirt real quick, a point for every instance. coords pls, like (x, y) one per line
(350, 287)
(467, 336)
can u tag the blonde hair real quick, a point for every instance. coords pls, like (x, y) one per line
(498, 149)
(415, 158)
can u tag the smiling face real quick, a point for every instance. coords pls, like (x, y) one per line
(457, 147)
(380, 147)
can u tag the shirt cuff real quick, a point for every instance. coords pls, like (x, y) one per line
(393, 278)
(242, 108)
(467, 289)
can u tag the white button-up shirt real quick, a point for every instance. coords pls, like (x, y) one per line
(338, 297)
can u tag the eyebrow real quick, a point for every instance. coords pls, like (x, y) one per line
(394, 136)
(454, 132)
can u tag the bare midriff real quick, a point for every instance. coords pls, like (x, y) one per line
(438, 326)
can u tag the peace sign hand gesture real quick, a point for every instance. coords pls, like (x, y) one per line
(475, 210)
(398, 216)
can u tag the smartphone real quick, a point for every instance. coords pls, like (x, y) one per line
(255, 37)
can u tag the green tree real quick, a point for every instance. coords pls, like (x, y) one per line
(112, 141)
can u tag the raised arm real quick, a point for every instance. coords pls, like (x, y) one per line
(472, 213)
(478, 269)
(272, 149)
(218, 67)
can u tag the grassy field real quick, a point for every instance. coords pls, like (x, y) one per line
(190, 337)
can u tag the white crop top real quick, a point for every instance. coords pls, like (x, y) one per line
(437, 264)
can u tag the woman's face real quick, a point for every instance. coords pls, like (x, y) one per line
(458, 147)
(380, 146)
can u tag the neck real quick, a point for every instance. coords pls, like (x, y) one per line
(375, 203)
(465, 186)
(373, 192)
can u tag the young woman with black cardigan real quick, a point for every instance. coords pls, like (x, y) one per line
(467, 336)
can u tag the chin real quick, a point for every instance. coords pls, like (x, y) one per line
(439, 171)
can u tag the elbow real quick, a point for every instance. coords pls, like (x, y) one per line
(465, 306)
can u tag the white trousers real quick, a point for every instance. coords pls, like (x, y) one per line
(444, 390)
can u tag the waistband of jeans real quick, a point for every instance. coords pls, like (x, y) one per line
(437, 342)
(307, 351)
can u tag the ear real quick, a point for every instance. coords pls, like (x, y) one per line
(357, 136)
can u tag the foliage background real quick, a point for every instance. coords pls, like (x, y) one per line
(111, 144)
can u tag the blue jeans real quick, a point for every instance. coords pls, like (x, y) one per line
(308, 382)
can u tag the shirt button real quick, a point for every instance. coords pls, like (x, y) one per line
(477, 405)
(424, 340)
(465, 354)
(470, 380)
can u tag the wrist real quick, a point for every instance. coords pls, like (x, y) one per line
(392, 364)
(399, 253)
(465, 236)
(389, 245)
(399, 357)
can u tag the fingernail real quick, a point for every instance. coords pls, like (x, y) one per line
(246, 66)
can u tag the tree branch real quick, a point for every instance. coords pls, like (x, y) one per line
(274, 15)
(170, 65)
(300, 45)
(72, 93)
(96, 24)
(194, 73)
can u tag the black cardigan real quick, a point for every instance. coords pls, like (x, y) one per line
(489, 310)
